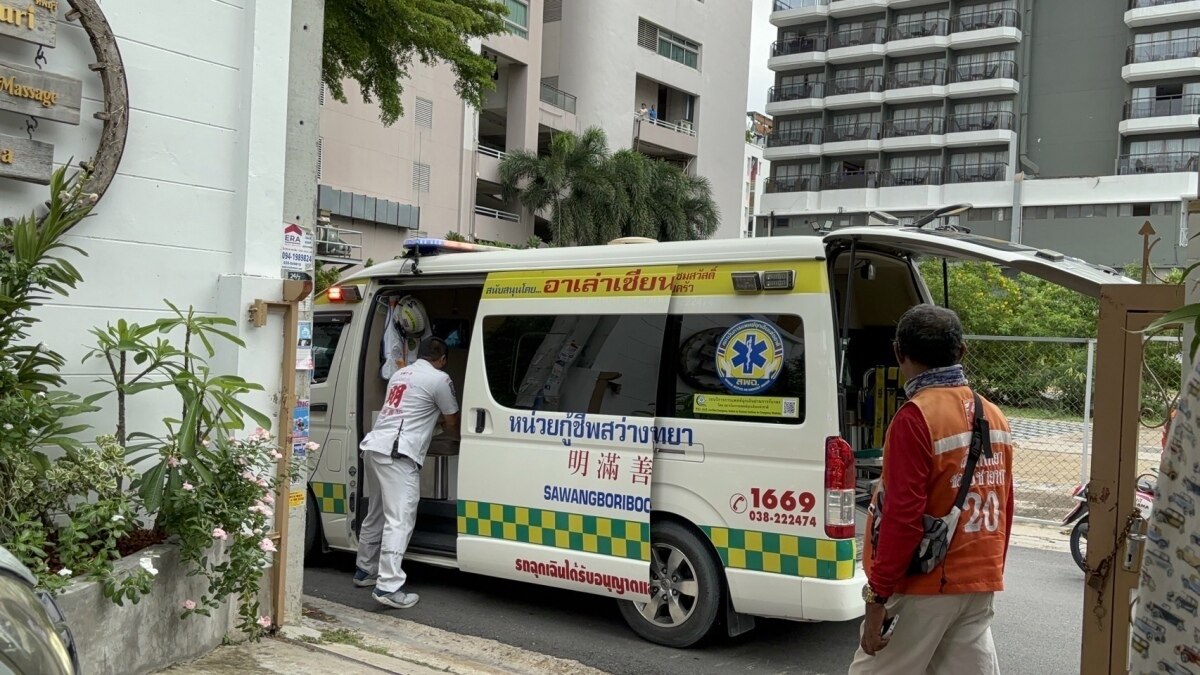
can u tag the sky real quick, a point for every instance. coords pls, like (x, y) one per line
(762, 34)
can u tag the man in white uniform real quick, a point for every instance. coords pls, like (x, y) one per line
(417, 396)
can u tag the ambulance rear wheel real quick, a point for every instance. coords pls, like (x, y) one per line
(685, 590)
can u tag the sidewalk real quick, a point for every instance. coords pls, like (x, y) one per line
(333, 638)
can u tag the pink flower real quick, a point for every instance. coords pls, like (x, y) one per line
(267, 545)
(249, 475)
(260, 434)
(172, 461)
(233, 439)
(189, 604)
(204, 442)
(269, 498)
(218, 533)
(188, 487)
(262, 482)
(275, 454)
(312, 447)
(264, 621)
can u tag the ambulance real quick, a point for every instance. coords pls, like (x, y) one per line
(673, 425)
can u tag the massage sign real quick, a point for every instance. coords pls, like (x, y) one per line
(31, 92)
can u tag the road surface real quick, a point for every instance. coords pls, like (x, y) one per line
(1036, 628)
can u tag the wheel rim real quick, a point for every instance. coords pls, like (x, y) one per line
(674, 589)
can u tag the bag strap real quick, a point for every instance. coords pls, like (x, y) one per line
(981, 444)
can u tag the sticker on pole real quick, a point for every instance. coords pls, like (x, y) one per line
(750, 357)
(297, 252)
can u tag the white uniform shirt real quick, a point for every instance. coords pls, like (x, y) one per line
(417, 395)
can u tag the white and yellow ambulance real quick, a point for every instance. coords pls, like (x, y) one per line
(673, 425)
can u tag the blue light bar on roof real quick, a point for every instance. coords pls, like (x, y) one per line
(430, 246)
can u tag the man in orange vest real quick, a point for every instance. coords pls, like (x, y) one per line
(938, 621)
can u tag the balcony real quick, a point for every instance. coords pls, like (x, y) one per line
(1160, 12)
(972, 129)
(921, 133)
(839, 8)
(1161, 114)
(858, 44)
(916, 85)
(906, 4)
(794, 144)
(850, 180)
(918, 37)
(782, 184)
(794, 98)
(496, 225)
(488, 164)
(806, 50)
(852, 91)
(1168, 162)
(976, 173)
(1162, 59)
(558, 98)
(984, 78)
(557, 109)
(794, 12)
(929, 175)
(338, 246)
(852, 139)
(667, 140)
(985, 28)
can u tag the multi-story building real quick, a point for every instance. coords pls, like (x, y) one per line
(1065, 124)
(758, 129)
(564, 65)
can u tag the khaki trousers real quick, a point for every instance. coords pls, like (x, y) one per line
(936, 634)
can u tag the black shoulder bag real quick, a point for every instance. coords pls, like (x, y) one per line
(935, 543)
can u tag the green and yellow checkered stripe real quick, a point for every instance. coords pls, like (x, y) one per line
(331, 497)
(571, 531)
(783, 553)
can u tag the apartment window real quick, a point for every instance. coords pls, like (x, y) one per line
(853, 33)
(921, 24)
(678, 49)
(420, 181)
(321, 96)
(858, 80)
(922, 73)
(320, 155)
(517, 20)
(990, 215)
(1165, 146)
(985, 65)
(424, 114)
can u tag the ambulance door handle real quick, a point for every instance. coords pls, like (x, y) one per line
(480, 420)
(320, 407)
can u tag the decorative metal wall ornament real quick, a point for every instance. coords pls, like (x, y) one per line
(102, 167)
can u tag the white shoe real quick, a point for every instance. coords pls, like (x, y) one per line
(397, 600)
(364, 580)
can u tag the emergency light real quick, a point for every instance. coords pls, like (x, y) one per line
(343, 294)
(425, 246)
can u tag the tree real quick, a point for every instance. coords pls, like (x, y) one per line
(594, 197)
(374, 42)
(571, 180)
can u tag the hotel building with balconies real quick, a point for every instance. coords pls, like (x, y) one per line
(563, 65)
(1066, 124)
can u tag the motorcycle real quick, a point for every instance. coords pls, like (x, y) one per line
(1147, 486)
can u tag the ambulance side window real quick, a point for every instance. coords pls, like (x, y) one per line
(593, 364)
(737, 368)
(327, 334)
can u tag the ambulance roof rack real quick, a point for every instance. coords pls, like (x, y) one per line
(426, 246)
(633, 240)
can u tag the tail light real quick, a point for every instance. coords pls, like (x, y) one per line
(839, 489)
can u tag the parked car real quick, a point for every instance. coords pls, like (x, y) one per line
(34, 637)
(1161, 613)
(1187, 555)
(1183, 601)
(1185, 503)
(1172, 669)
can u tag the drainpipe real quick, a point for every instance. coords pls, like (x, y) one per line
(1018, 211)
(1026, 59)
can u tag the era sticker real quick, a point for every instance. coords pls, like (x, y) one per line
(750, 357)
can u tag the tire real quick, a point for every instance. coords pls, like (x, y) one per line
(312, 528)
(672, 620)
(1079, 543)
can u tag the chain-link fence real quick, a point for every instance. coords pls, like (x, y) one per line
(1045, 387)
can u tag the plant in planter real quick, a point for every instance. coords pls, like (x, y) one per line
(36, 491)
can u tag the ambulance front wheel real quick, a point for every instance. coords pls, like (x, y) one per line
(685, 590)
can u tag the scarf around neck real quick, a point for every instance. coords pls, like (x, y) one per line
(950, 376)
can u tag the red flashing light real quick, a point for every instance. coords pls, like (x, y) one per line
(334, 294)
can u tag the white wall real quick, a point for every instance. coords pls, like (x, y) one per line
(600, 61)
(195, 213)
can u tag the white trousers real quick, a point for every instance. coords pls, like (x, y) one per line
(936, 634)
(394, 489)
